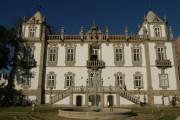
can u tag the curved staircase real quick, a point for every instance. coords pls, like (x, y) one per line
(125, 94)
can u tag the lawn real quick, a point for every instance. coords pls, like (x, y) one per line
(50, 113)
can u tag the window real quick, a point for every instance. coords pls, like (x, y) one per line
(138, 80)
(160, 53)
(136, 56)
(163, 81)
(28, 53)
(94, 52)
(51, 80)
(32, 31)
(52, 55)
(70, 56)
(26, 80)
(119, 56)
(157, 32)
(119, 77)
(69, 79)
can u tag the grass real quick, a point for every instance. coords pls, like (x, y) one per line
(50, 113)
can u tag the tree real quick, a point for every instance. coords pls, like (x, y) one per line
(9, 47)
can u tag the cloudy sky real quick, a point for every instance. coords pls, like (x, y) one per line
(72, 14)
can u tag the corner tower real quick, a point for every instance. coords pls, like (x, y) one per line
(154, 27)
(34, 32)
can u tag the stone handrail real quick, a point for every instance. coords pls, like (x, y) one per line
(83, 89)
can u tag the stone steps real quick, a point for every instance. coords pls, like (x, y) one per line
(130, 97)
(61, 96)
(68, 92)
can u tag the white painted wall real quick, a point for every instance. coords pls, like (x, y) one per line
(81, 75)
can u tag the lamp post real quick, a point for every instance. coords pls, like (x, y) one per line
(139, 92)
(144, 98)
(51, 93)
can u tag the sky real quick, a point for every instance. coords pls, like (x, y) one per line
(72, 14)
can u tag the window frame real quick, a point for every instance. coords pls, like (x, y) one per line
(72, 55)
(119, 55)
(140, 80)
(49, 80)
(119, 74)
(32, 31)
(162, 81)
(51, 54)
(157, 31)
(71, 82)
(161, 45)
(26, 80)
(136, 62)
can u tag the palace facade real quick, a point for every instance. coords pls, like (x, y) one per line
(95, 68)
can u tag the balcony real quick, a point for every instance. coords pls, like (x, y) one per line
(95, 64)
(28, 64)
(163, 63)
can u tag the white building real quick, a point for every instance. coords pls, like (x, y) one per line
(98, 68)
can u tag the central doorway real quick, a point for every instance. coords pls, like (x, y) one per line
(79, 100)
(94, 100)
(110, 100)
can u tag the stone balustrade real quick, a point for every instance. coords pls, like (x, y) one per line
(103, 37)
(163, 63)
(104, 89)
(95, 64)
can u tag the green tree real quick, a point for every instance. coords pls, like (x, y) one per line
(9, 47)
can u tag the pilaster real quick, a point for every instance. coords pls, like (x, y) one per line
(148, 70)
(176, 69)
(117, 100)
(71, 100)
(41, 80)
(102, 99)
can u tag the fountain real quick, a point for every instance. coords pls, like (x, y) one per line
(94, 111)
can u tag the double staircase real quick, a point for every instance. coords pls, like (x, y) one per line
(60, 96)
(130, 97)
(125, 94)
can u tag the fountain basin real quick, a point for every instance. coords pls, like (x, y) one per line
(94, 113)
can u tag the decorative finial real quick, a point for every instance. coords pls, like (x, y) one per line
(126, 30)
(94, 23)
(139, 26)
(150, 5)
(107, 30)
(82, 32)
(165, 18)
(81, 29)
(62, 32)
(171, 33)
(145, 19)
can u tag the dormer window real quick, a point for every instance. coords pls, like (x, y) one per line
(32, 31)
(157, 32)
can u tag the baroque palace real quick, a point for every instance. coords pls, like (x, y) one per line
(95, 68)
